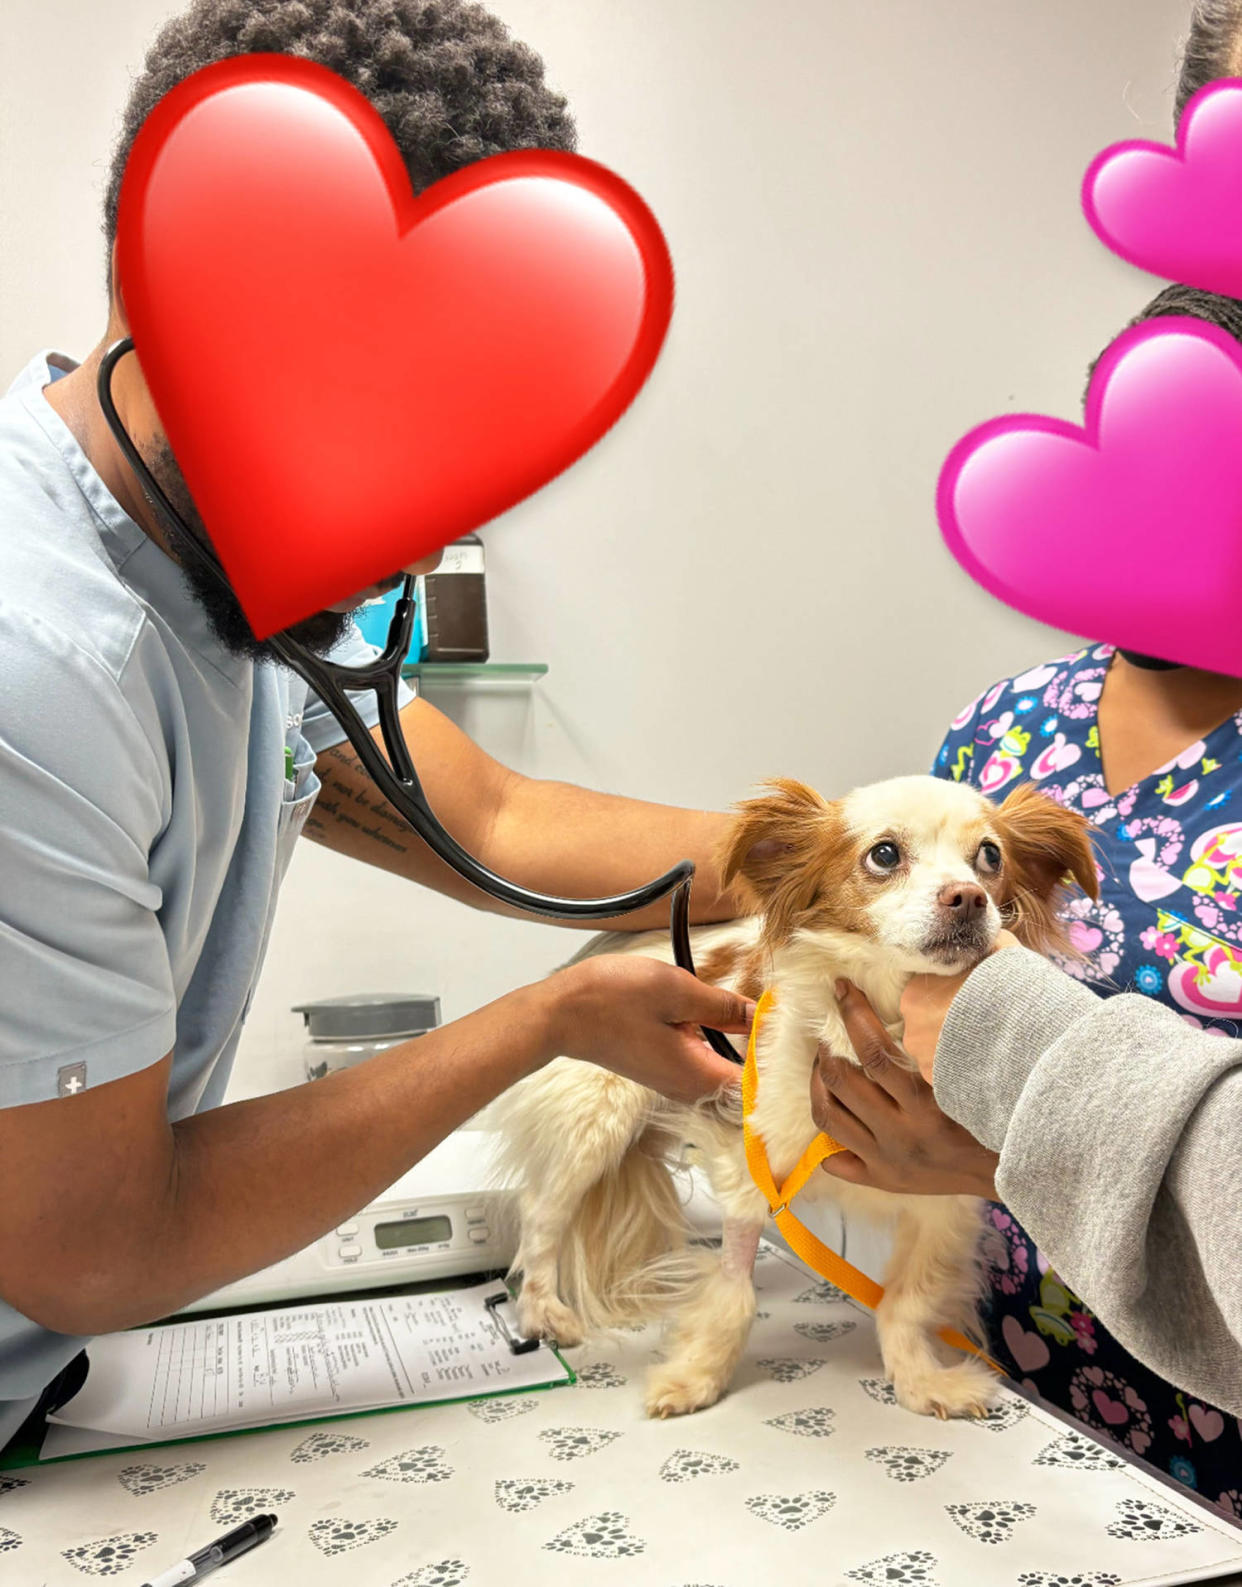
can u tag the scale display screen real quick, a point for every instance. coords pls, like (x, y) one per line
(412, 1231)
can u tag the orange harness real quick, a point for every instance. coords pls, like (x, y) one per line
(813, 1252)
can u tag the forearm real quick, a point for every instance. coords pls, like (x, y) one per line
(575, 843)
(1118, 1127)
(247, 1184)
(550, 837)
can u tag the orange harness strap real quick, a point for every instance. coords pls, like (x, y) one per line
(813, 1252)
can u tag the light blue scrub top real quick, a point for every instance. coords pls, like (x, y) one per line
(146, 818)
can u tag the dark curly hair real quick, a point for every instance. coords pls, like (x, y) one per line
(1213, 48)
(450, 82)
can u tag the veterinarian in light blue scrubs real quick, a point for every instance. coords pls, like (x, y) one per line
(142, 765)
(156, 766)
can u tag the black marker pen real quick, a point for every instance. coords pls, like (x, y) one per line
(229, 1547)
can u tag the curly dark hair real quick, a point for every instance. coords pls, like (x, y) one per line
(450, 82)
(1213, 48)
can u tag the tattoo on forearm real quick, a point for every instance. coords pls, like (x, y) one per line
(345, 805)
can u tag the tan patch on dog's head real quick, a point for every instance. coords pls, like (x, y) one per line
(1047, 850)
(795, 863)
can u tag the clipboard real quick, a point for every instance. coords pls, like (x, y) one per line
(16, 1456)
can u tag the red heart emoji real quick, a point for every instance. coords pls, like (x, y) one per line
(351, 376)
(1112, 1411)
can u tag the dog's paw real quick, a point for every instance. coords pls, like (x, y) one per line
(547, 1317)
(676, 1391)
(966, 1389)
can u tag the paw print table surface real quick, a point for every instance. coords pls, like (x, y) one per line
(807, 1470)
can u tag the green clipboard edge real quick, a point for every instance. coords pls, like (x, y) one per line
(17, 1457)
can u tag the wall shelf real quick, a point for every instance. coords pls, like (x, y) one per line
(470, 671)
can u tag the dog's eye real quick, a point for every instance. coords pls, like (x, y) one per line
(883, 857)
(988, 858)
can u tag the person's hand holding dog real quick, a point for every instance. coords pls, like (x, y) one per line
(884, 1113)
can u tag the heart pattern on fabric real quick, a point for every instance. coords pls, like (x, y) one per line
(1086, 939)
(339, 1535)
(444, 1573)
(989, 1523)
(685, 1464)
(1005, 1414)
(1138, 1520)
(1027, 1348)
(787, 1369)
(896, 1570)
(1074, 1452)
(414, 1465)
(820, 1294)
(9, 1540)
(815, 1421)
(822, 1332)
(908, 1465)
(1111, 1411)
(880, 1389)
(232, 1506)
(603, 1375)
(319, 1445)
(150, 1479)
(1047, 1578)
(524, 1493)
(9, 1484)
(573, 1443)
(603, 1536)
(108, 1556)
(501, 1410)
(1207, 1423)
(791, 1511)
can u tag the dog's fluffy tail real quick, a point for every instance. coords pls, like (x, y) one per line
(601, 1224)
(625, 1250)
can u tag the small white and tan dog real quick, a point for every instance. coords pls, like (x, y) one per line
(906, 876)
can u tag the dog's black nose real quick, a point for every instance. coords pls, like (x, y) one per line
(963, 901)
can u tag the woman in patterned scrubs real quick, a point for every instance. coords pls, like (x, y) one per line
(1168, 924)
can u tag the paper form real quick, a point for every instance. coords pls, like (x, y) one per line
(251, 1370)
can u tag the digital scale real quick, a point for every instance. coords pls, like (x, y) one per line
(438, 1221)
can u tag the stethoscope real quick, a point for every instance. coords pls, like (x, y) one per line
(396, 778)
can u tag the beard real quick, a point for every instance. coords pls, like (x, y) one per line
(227, 620)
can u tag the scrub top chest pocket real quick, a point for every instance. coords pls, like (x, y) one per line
(300, 790)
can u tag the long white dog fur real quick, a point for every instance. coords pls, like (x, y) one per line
(894, 879)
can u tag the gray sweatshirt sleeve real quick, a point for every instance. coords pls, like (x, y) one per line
(1119, 1128)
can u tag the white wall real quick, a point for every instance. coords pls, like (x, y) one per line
(873, 211)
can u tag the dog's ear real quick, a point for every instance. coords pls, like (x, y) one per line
(1047, 849)
(773, 856)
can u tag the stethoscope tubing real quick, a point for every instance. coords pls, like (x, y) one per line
(396, 777)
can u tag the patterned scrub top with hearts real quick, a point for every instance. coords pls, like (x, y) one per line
(1167, 924)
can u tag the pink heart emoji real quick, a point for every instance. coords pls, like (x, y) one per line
(1112, 1411)
(1086, 529)
(1208, 1424)
(1175, 212)
(1028, 1349)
